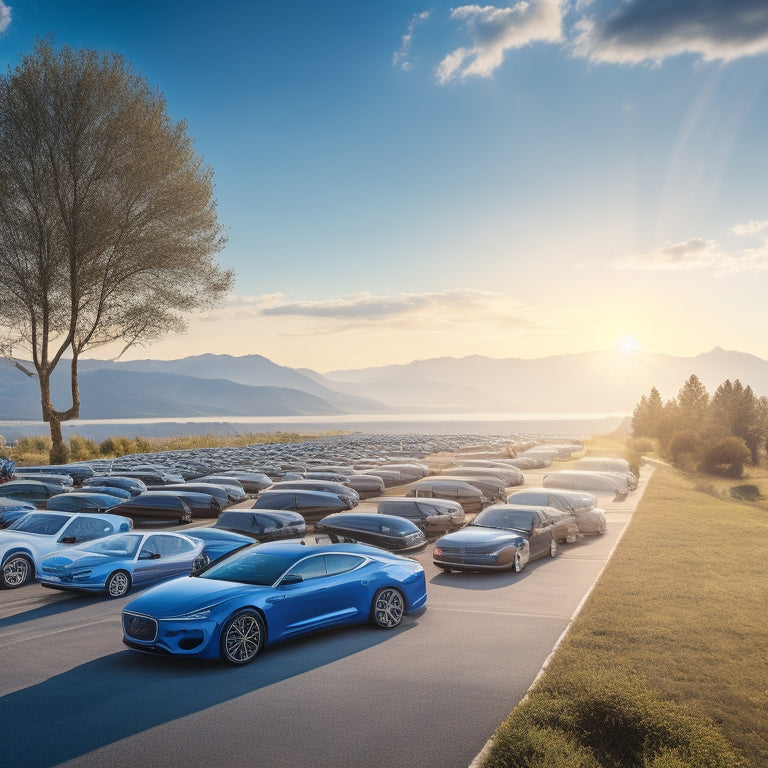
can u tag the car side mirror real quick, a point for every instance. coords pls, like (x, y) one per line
(69, 540)
(291, 578)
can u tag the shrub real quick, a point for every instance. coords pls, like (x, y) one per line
(683, 448)
(82, 448)
(607, 720)
(117, 446)
(726, 456)
(746, 493)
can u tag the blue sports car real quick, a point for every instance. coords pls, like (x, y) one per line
(116, 563)
(270, 592)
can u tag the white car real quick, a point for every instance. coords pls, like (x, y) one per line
(36, 534)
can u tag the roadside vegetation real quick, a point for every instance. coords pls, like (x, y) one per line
(29, 451)
(665, 665)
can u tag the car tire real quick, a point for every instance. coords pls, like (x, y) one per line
(553, 548)
(17, 571)
(387, 608)
(242, 638)
(118, 584)
(518, 563)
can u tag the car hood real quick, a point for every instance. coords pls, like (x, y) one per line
(73, 557)
(190, 593)
(480, 535)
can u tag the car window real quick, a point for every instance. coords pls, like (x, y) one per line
(249, 567)
(125, 545)
(311, 568)
(46, 525)
(341, 563)
(427, 510)
(87, 528)
(172, 545)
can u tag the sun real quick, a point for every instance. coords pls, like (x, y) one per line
(628, 345)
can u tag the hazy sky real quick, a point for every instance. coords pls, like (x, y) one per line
(406, 180)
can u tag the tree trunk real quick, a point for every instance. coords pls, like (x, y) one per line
(59, 449)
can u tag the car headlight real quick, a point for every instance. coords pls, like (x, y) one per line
(203, 613)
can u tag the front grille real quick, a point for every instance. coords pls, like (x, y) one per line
(139, 627)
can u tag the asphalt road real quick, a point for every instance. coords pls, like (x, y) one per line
(430, 693)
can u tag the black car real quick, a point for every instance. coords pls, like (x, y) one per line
(133, 485)
(328, 486)
(501, 537)
(390, 532)
(78, 472)
(34, 491)
(200, 504)
(312, 505)
(155, 507)
(218, 492)
(263, 525)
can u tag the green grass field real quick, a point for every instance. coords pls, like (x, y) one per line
(672, 641)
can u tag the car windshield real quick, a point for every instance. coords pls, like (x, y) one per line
(124, 545)
(250, 567)
(45, 525)
(520, 520)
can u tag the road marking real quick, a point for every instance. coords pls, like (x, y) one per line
(433, 607)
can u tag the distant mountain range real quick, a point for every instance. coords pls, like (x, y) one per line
(251, 385)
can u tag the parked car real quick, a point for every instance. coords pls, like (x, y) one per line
(252, 482)
(218, 542)
(470, 497)
(582, 505)
(366, 485)
(12, 509)
(386, 531)
(75, 501)
(600, 483)
(47, 477)
(433, 516)
(263, 524)
(491, 487)
(217, 492)
(78, 472)
(133, 485)
(605, 464)
(36, 492)
(509, 476)
(105, 489)
(339, 489)
(311, 505)
(501, 537)
(117, 563)
(201, 504)
(231, 485)
(27, 540)
(155, 477)
(155, 507)
(261, 595)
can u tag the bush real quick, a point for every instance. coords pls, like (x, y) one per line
(81, 448)
(605, 720)
(746, 493)
(726, 456)
(117, 446)
(683, 449)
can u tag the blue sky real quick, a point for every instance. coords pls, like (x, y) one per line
(403, 180)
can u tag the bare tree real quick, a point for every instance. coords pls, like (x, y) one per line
(108, 225)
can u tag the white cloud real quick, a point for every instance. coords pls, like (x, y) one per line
(5, 16)
(400, 57)
(494, 31)
(698, 253)
(694, 253)
(401, 311)
(652, 30)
